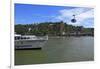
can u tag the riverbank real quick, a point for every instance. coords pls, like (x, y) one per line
(72, 35)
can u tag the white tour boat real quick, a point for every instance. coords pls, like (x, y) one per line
(29, 41)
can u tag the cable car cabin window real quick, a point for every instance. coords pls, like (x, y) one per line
(73, 20)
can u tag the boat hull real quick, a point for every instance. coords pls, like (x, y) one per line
(29, 44)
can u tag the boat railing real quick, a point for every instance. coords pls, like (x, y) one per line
(32, 38)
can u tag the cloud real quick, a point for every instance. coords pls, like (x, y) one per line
(88, 22)
(82, 14)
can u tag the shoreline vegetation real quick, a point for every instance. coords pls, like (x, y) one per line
(53, 29)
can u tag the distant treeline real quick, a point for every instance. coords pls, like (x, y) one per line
(53, 29)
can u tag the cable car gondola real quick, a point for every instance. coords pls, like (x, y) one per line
(73, 20)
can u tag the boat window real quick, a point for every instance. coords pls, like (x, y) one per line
(17, 38)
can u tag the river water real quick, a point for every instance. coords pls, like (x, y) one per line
(62, 49)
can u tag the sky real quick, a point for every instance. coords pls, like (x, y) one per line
(29, 14)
